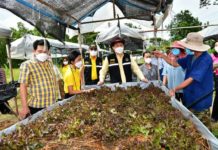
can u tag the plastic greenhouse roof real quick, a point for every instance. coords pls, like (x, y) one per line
(53, 16)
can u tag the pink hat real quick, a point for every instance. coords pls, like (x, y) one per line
(177, 45)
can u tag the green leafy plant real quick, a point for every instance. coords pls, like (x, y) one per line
(105, 119)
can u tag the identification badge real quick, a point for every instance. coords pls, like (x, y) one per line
(86, 62)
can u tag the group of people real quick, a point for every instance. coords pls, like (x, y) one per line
(186, 69)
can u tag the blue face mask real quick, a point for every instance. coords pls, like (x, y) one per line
(175, 51)
(189, 52)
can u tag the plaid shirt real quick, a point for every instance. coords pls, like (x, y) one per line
(40, 78)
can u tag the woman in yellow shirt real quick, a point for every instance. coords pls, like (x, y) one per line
(73, 77)
(65, 66)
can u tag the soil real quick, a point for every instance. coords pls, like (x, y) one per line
(110, 120)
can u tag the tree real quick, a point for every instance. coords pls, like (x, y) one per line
(3, 53)
(88, 38)
(16, 34)
(22, 30)
(183, 19)
(158, 43)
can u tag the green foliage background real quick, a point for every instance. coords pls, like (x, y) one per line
(183, 19)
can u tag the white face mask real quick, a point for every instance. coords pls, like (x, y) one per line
(216, 49)
(79, 64)
(42, 57)
(65, 62)
(93, 53)
(147, 60)
(119, 50)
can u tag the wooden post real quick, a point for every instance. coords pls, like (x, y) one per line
(11, 70)
(81, 51)
(114, 9)
(80, 39)
(155, 37)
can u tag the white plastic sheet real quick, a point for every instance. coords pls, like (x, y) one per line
(115, 31)
(4, 32)
(212, 140)
(22, 48)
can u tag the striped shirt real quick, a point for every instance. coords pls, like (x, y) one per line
(41, 82)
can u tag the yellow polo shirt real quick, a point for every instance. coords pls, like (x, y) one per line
(64, 69)
(72, 78)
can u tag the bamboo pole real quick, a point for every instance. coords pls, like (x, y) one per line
(129, 17)
(155, 41)
(114, 10)
(11, 71)
(81, 51)
(177, 28)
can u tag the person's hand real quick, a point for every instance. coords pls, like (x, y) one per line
(89, 90)
(172, 92)
(23, 114)
(145, 80)
(100, 83)
(158, 54)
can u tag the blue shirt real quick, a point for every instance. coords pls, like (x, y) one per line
(201, 70)
(175, 76)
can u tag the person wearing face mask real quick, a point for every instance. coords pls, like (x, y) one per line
(65, 66)
(198, 84)
(93, 64)
(149, 70)
(174, 76)
(37, 75)
(214, 56)
(120, 65)
(73, 77)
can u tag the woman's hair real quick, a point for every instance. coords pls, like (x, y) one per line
(146, 52)
(73, 55)
(63, 61)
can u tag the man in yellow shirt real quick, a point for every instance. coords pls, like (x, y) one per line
(93, 64)
(38, 76)
(73, 76)
(120, 65)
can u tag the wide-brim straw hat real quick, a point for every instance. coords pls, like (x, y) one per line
(194, 41)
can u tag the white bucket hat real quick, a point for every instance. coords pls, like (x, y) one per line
(194, 41)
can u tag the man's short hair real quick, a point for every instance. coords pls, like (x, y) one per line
(41, 43)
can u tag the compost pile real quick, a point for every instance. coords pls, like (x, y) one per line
(110, 120)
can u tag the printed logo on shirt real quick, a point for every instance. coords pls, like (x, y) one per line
(86, 62)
